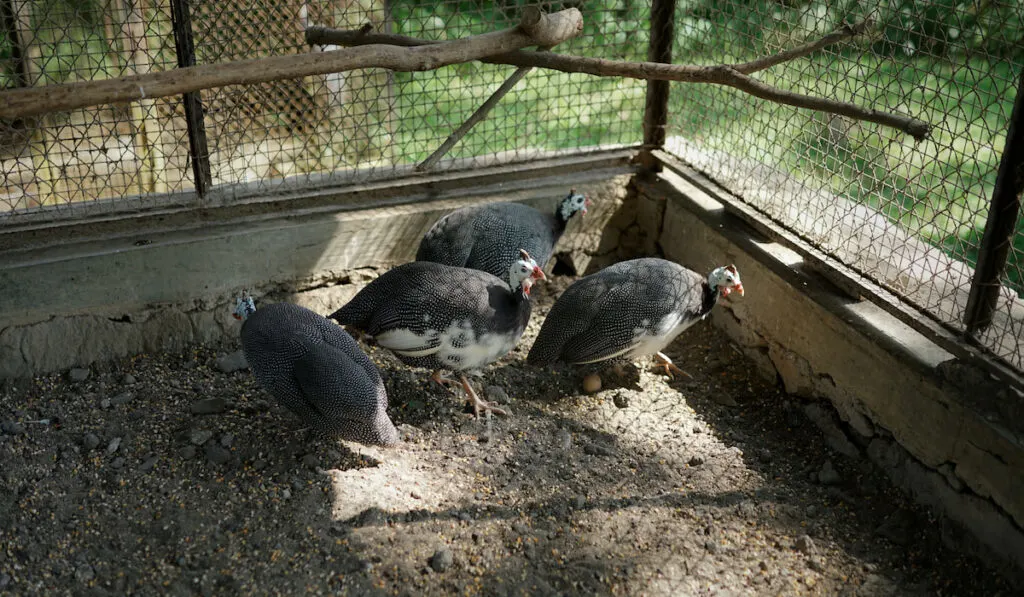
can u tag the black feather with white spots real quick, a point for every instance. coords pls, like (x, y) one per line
(441, 317)
(317, 371)
(489, 237)
(625, 311)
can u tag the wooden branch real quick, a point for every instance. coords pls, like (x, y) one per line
(845, 32)
(481, 113)
(728, 75)
(549, 29)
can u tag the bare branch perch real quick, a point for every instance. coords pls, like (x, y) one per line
(550, 29)
(728, 75)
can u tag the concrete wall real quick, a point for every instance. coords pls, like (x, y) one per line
(166, 281)
(891, 403)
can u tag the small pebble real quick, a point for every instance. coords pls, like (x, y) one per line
(188, 452)
(287, 493)
(117, 463)
(113, 445)
(209, 406)
(90, 441)
(415, 495)
(227, 439)
(711, 546)
(105, 403)
(122, 398)
(442, 560)
(697, 429)
(763, 565)
(598, 450)
(496, 394)
(231, 362)
(149, 463)
(828, 475)
(199, 437)
(12, 427)
(84, 573)
(696, 460)
(128, 379)
(217, 454)
(78, 375)
(563, 439)
(816, 564)
(804, 544)
(310, 461)
(621, 400)
(259, 465)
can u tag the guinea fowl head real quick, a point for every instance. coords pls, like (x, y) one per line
(524, 272)
(575, 202)
(244, 306)
(725, 279)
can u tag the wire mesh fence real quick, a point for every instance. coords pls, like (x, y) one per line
(907, 214)
(314, 130)
(97, 153)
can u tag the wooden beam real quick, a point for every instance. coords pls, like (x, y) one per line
(535, 29)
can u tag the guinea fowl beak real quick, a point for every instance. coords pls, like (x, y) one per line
(586, 205)
(538, 274)
(739, 288)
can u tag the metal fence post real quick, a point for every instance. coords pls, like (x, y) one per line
(656, 109)
(181, 21)
(1001, 224)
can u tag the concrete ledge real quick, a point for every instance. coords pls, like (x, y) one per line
(882, 377)
(104, 294)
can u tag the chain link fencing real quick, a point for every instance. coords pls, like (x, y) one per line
(279, 136)
(908, 215)
(123, 153)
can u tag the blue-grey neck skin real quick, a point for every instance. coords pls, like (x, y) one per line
(244, 306)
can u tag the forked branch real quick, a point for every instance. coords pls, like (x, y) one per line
(730, 75)
(536, 29)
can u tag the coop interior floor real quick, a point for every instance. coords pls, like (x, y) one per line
(707, 486)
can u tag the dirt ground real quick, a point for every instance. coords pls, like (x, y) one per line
(161, 474)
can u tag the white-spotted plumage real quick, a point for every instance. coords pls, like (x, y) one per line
(442, 317)
(627, 311)
(316, 370)
(489, 237)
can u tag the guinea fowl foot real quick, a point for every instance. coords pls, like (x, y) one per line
(670, 367)
(478, 403)
(443, 381)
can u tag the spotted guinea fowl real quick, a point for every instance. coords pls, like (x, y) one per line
(316, 370)
(489, 237)
(446, 318)
(627, 311)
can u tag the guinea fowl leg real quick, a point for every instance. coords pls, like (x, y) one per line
(478, 403)
(663, 361)
(439, 377)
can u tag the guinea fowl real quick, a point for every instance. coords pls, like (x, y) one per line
(316, 370)
(446, 318)
(489, 237)
(629, 310)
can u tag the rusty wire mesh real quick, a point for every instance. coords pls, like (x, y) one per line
(97, 153)
(908, 215)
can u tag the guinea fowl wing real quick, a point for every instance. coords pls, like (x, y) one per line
(324, 372)
(450, 239)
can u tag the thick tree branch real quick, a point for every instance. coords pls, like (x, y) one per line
(549, 29)
(728, 75)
